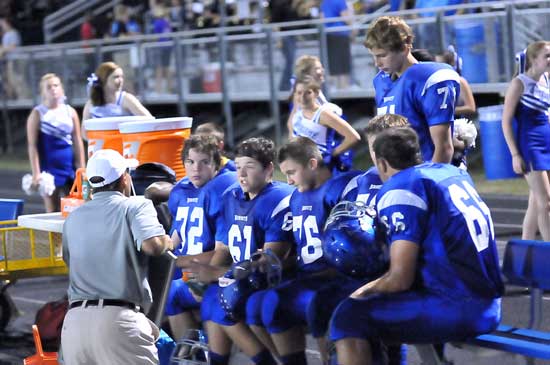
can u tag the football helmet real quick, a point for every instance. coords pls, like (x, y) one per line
(191, 350)
(350, 242)
(261, 271)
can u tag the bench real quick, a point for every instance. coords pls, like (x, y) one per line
(526, 264)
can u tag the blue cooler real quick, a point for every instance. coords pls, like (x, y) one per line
(497, 159)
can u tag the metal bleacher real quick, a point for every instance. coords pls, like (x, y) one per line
(244, 63)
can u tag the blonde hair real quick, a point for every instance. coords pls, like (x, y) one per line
(304, 66)
(44, 79)
(389, 33)
(533, 51)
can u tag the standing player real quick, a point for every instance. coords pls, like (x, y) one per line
(309, 299)
(256, 217)
(527, 100)
(443, 283)
(425, 93)
(194, 204)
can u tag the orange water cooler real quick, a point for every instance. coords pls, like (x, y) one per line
(103, 133)
(159, 140)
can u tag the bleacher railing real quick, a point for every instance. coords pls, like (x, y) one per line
(245, 63)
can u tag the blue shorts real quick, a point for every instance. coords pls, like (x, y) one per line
(306, 301)
(211, 309)
(414, 317)
(179, 299)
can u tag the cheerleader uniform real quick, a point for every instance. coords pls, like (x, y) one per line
(55, 143)
(533, 136)
(110, 109)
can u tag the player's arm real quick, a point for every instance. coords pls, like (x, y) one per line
(78, 146)
(33, 130)
(131, 103)
(208, 272)
(443, 142)
(158, 191)
(343, 128)
(282, 250)
(400, 276)
(511, 100)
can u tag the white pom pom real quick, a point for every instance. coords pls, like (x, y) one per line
(47, 184)
(26, 184)
(465, 130)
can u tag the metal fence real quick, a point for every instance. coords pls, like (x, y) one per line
(245, 63)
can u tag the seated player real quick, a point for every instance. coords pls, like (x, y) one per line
(195, 208)
(443, 283)
(159, 192)
(306, 301)
(255, 216)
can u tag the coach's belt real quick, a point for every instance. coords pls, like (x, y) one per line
(105, 302)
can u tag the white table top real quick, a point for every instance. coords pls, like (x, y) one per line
(52, 222)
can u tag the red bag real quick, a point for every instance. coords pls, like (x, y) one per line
(49, 320)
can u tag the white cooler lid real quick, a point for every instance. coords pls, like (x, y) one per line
(112, 123)
(160, 124)
(52, 222)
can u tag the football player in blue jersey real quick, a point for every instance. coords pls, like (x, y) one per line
(194, 204)
(425, 93)
(255, 217)
(307, 300)
(216, 130)
(368, 184)
(443, 283)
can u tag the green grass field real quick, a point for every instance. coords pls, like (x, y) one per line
(509, 186)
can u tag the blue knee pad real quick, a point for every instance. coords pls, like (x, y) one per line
(325, 300)
(211, 309)
(179, 299)
(254, 307)
(286, 306)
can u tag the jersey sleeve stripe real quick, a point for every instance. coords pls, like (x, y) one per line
(440, 76)
(283, 204)
(401, 197)
(352, 184)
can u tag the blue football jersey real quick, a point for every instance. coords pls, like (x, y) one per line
(248, 224)
(425, 94)
(196, 212)
(310, 210)
(437, 207)
(364, 187)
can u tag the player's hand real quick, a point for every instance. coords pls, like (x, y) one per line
(518, 164)
(362, 291)
(184, 262)
(203, 273)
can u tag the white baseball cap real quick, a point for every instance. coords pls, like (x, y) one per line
(108, 166)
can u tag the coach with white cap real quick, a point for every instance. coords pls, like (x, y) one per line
(105, 243)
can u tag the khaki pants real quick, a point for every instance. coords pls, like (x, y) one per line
(108, 335)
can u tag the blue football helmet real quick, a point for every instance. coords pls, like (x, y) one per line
(350, 242)
(261, 271)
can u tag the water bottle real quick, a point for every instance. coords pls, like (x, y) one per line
(85, 189)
